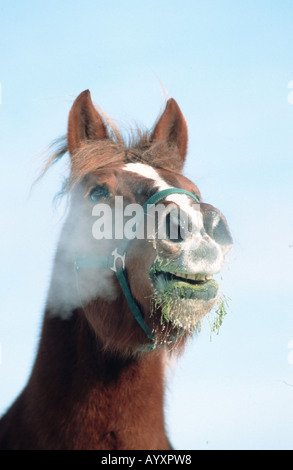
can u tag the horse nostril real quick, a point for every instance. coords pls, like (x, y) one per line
(221, 233)
(216, 227)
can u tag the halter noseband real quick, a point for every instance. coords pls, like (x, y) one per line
(110, 261)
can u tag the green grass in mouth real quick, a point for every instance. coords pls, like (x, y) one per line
(185, 289)
(183, 298)
(178, 298)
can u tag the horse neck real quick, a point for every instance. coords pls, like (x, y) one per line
(96, 399)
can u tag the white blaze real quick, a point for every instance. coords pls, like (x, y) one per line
(182, 200)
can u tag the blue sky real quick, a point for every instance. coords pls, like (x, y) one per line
(228, 65)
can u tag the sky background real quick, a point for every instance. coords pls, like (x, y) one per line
(229, 66)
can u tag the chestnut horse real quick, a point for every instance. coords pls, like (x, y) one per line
(118, 306)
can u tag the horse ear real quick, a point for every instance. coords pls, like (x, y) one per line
(84, 122)
(172, 128)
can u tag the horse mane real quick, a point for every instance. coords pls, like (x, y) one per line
(135, 147)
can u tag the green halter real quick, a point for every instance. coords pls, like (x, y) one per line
(110, 261)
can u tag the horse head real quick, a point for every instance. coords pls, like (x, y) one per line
(146, 247)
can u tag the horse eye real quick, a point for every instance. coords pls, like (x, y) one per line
(98, 192)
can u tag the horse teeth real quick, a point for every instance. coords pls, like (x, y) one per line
(184, 276)
(194, 277)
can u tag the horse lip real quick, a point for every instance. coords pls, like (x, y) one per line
(179, 288)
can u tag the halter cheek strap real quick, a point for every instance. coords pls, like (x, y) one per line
(116, 262)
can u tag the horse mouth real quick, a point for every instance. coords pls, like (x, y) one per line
(184, 298)
(188, 286)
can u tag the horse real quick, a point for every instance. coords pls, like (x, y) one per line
(120, 302)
